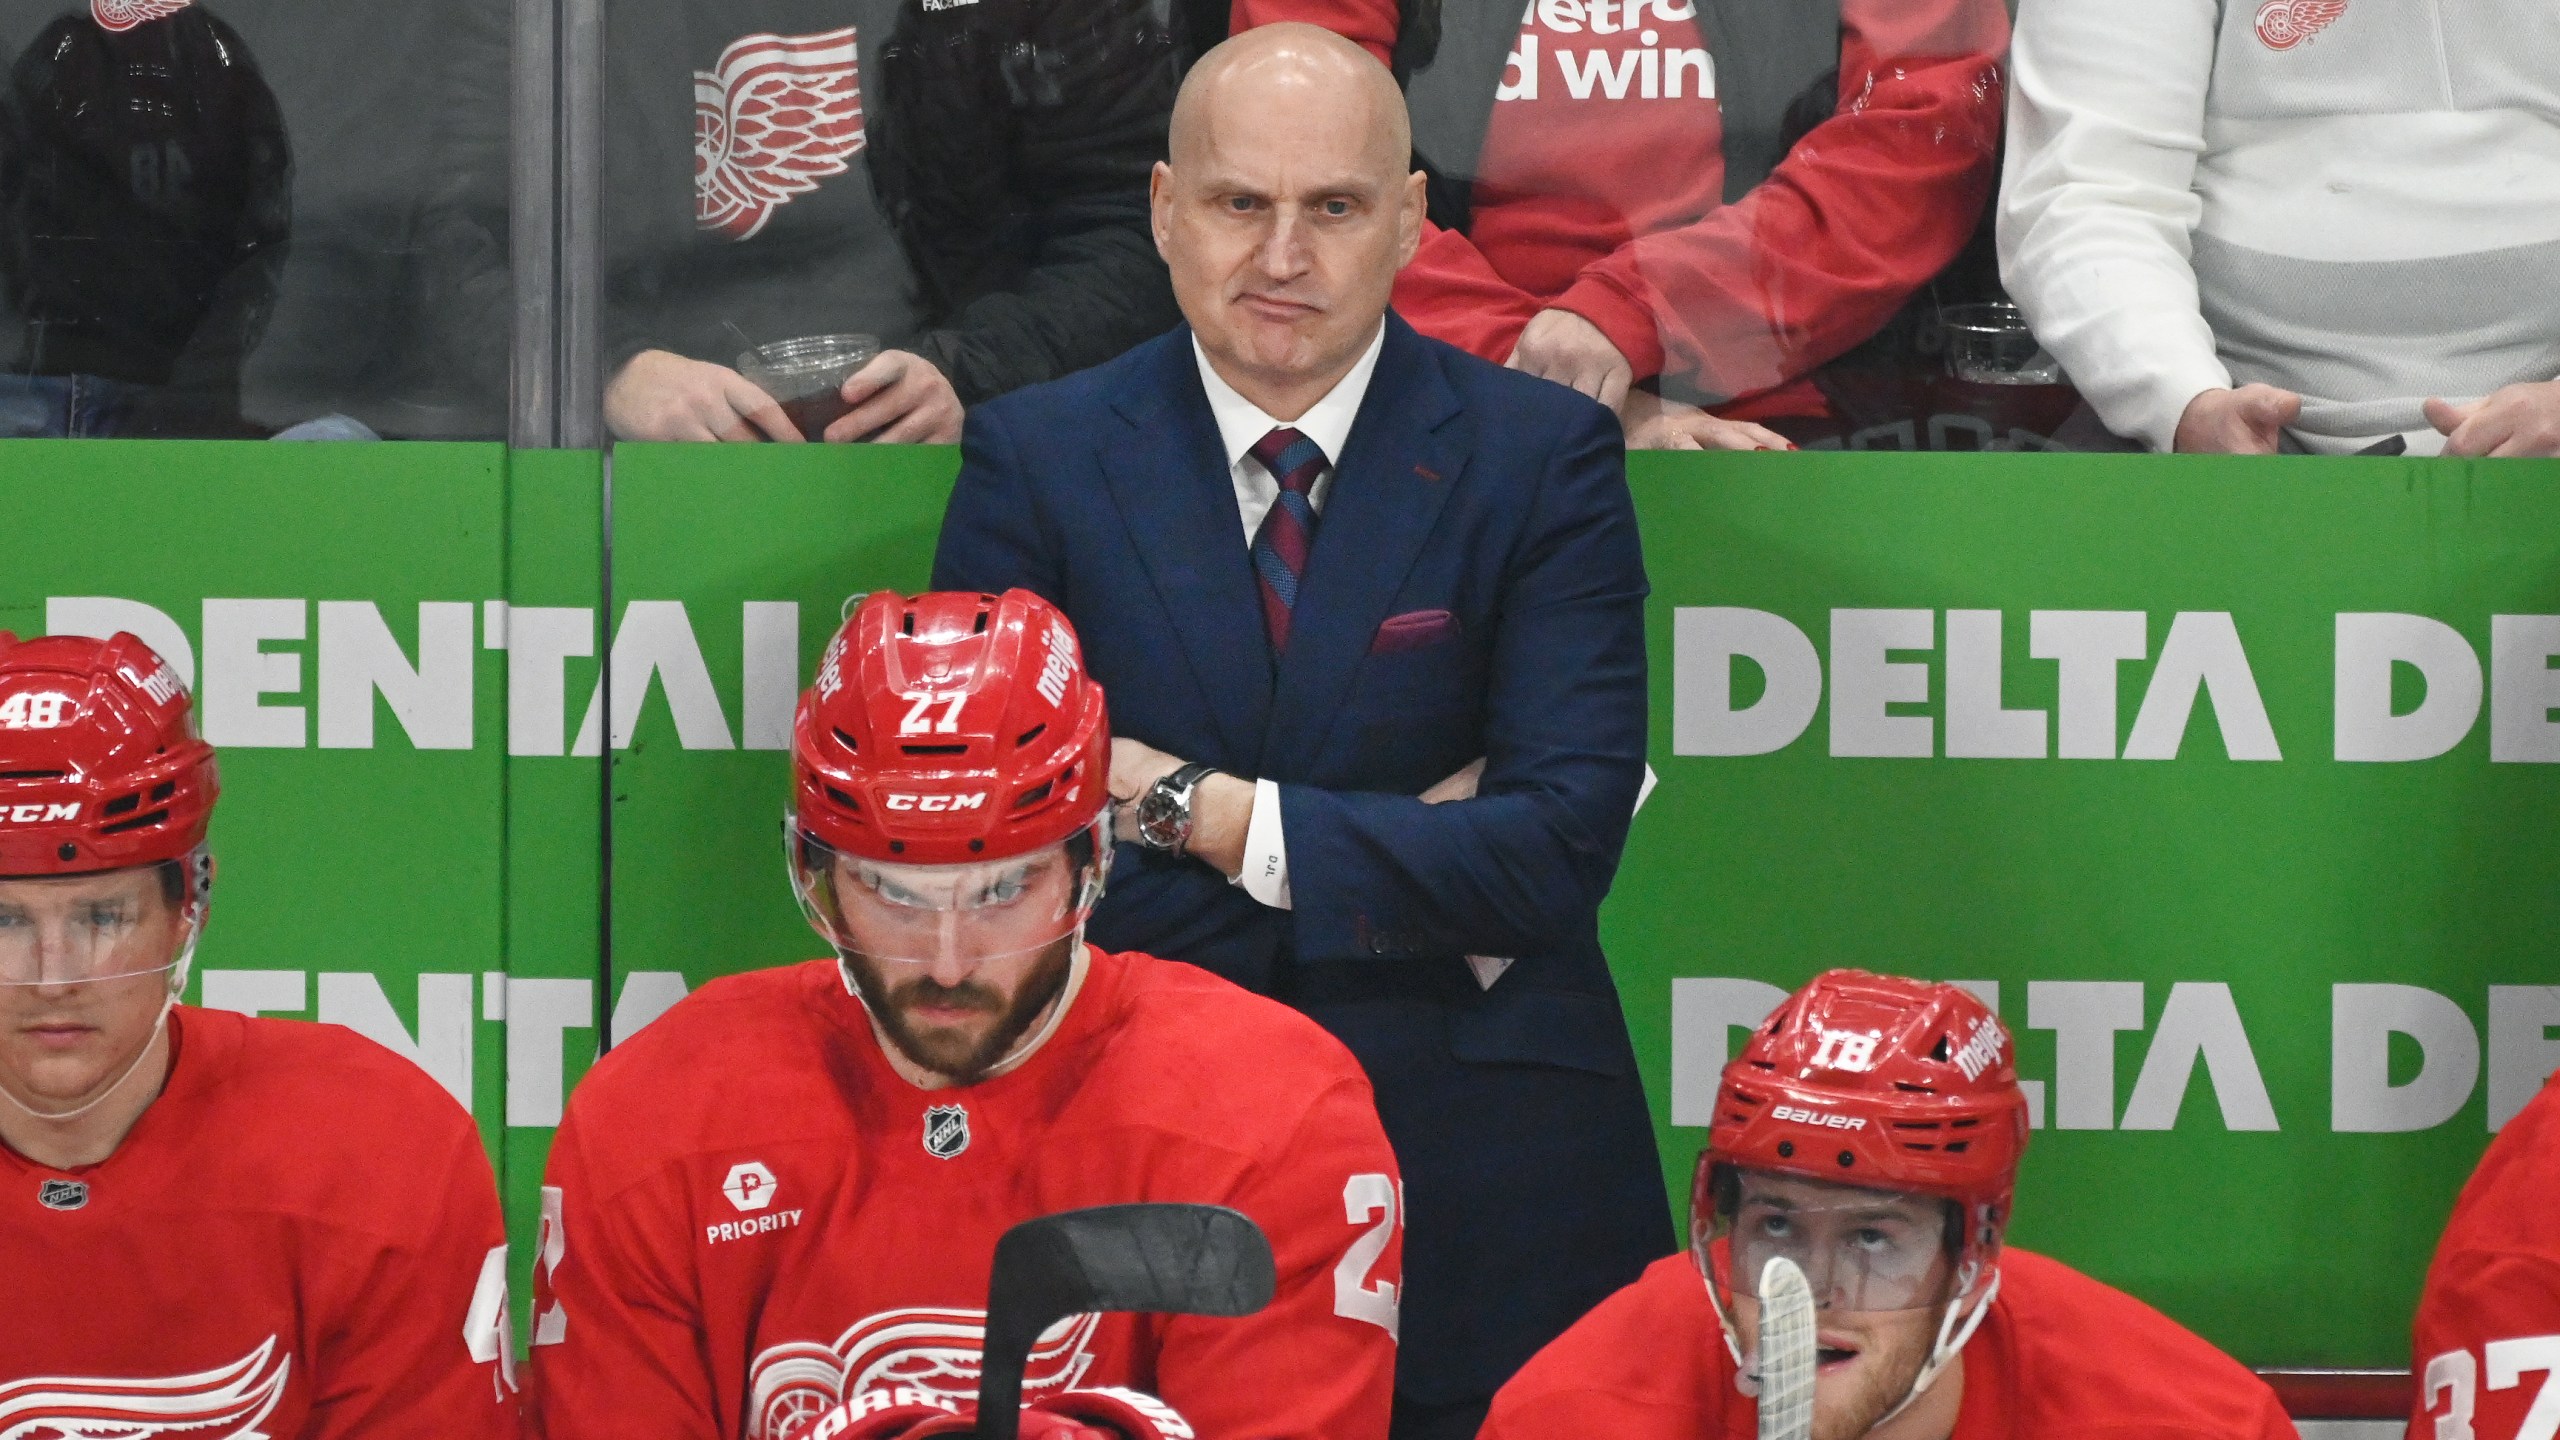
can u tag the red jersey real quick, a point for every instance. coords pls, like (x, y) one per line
(299, 1240)
(2059, 1357)
(1599, 188)
(2487, 1341)
(755, 1218)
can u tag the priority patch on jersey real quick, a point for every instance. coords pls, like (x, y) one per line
(728, 1230)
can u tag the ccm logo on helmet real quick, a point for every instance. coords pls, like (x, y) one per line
(1059, 667)
(38, 814)
(935, 804)
(1820, 1119)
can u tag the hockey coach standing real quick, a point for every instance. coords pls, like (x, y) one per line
(1325, 567)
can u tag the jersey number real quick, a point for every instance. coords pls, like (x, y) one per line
(920, 701)
(2456, 1376)
(484, 1325)
(551, 1326)
(35, 710)
(1355, 1295)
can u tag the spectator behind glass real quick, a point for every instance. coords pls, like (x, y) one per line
(145, 208)
(964, 179)
(2298, 223)
(1620, 200)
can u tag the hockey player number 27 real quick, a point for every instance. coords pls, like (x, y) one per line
(2456, 1376)
(1355, 1295)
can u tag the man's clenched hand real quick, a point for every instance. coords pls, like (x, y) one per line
(1561, 346)
(2246, 421)
(664, 396)
(899, 399)
(2518, 420)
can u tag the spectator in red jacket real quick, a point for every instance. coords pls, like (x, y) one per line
(1661, 202)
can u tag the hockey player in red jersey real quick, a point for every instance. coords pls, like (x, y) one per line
(212, 1226)
(1870, 1131)
(786, 1192)
(2487, 1342)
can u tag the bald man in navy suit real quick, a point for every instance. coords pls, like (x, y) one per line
(1370, 613)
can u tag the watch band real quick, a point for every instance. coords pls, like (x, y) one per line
(1164, 811)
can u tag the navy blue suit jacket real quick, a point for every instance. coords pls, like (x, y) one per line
(1475, 589)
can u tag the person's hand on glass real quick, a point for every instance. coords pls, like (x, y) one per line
(2520, 420)
(1561, 346)
(1653, 423)
(2246, 421)
(664, 396)
(899, 399)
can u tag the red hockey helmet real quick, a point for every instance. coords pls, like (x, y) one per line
(1859, 1084)
(100, 765)
(100, 769)
(949, 739)
(1880, 1083)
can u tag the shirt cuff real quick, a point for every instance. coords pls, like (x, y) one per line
(1628, 323)
(1265, 875)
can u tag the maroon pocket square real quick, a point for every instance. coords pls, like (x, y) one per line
(1412, 630)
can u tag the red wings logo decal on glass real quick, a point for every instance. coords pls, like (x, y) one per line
(780, 114)
(122, 15)
(930, 1350)
(228, 1403)
(2283, 24)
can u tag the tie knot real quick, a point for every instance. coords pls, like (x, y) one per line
(1293, 459)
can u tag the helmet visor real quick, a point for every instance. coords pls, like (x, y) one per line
(1860, 1250)
(977, 913)
(110, 925)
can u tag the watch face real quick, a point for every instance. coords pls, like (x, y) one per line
(1158, 818)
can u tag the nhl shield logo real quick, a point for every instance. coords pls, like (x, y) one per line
(946, 1131)
(63, 1194)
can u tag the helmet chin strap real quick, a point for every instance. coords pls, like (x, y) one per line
(201, 882)
(1020, 1052)
(1951, 1340)
(101, 1098)
(1954, 1330)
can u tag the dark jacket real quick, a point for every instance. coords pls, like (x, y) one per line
(146, 200)
(1006, 150)
(1475, 589)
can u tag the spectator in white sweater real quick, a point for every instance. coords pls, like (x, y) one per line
(2235, 221)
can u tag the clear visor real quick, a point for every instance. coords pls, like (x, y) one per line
(115, 925)
(976, 913)
(1859, 1250)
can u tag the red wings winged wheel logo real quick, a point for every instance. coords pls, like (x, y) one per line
(2283, 24)
(229, 1402)
(119, 16)
(779, 114)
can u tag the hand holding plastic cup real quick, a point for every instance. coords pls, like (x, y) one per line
(806, 376)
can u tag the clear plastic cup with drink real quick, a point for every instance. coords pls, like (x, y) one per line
(806, 376)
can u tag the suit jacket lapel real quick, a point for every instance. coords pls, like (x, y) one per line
(1403, 455)
(1168, 475)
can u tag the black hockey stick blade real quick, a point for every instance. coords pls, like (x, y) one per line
(1158, 1259)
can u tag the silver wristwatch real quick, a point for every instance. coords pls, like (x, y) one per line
(1164, 811)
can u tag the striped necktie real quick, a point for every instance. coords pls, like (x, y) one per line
(1281, 546)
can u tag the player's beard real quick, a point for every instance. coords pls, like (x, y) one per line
(1849, 1401)
(949, 1052)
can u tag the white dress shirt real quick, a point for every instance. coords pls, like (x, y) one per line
(1241, 425)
